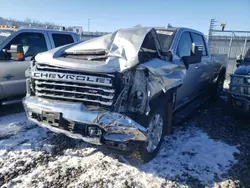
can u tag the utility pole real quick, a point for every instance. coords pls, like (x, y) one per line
(211, 28)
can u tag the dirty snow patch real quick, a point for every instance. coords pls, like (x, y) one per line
(27, 159)
(12, 124)
(191, 153)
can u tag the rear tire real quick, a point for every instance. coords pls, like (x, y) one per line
(217, 88)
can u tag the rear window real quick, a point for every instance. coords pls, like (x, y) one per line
(62, 39)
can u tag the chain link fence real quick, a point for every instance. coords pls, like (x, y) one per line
(230, 43)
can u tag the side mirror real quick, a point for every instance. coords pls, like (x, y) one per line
(16, 52)
(195, 56)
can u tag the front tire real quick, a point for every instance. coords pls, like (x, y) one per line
(156, 123)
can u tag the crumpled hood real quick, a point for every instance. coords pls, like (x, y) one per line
(243, 70)
(121, 48)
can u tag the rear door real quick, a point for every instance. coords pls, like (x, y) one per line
(12, 73)
(59, 39)
(190, 87)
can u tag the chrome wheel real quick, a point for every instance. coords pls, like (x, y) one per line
(155, 130)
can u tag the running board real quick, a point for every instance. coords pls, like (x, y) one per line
(14, 101)
(186, 111)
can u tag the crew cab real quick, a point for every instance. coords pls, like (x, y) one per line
(32, 42)
(120, 90)
(239, 87)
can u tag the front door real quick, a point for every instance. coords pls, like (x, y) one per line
(12, 73)
(206, 65)
(190, 87)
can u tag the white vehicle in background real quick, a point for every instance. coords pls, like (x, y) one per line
(17, 47)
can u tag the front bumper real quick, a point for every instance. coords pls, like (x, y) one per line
(80, 122)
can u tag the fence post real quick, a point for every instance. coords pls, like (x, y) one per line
(244, 47)
(230, 46)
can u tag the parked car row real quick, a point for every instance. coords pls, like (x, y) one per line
(119, 90)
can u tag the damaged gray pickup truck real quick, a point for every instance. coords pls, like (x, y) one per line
(120, 90)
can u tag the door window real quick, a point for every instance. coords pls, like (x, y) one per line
(33, 43)
(185, 45)
(199, 40)
(62, 39)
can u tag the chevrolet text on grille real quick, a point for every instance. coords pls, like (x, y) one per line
(72, 77)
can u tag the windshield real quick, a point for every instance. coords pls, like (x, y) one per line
(4, 34)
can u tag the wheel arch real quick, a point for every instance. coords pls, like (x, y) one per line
(223, 72)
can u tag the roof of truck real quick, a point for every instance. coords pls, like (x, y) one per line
(37, 29)
(178, 28)
(50, 30)
(10, 29)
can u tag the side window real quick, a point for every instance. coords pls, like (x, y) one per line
(33, 43)
(148, 49)
(185, 45)
(199, 40)
(62, 39)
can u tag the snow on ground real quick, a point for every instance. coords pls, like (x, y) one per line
(226, 84)
(191, 153)
(35, 157)
(12, 124)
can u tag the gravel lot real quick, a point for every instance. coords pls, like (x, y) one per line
(210, 148)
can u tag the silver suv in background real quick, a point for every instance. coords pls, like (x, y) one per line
(32, 42)
(121, 89)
